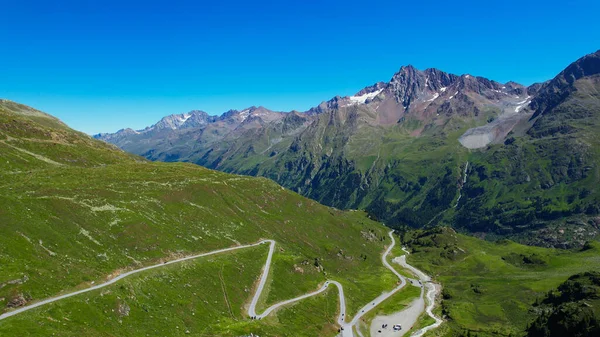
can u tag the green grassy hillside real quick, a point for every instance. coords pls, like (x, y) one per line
(573, 309)
(490, 288)
(75, 211)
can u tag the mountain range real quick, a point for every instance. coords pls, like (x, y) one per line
(425, 148)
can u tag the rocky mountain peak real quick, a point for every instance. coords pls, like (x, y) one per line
(556, 90)
(333, 103)
(586, 66)
(176, 121)
(196, 118)
(408, 69)
(514, 88)
(197, 113)
(410, 84)
(249, 114)
(406, 84)
(476, 84)
(533, 89)
(370, 89)
(437, 79)
(229, 113)
(128, 131)
(407, 74)
(171, 122)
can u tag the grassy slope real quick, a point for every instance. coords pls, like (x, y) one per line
(572, 309)
(75, 210)
(173, 301)
(488, 288)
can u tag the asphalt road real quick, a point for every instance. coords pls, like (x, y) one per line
(347, 328)
(122, 276)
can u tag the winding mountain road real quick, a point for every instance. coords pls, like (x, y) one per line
(432, 291)
(346, 328)
(124, 275)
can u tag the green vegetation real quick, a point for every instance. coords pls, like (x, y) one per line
(423, 321)
(75, 211)
(178, 300)
(571, 310)
(489, 288)
(399, 301)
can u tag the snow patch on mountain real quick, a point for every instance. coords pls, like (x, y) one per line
(244, 114)
(363, 98)
(184, 118)
(436, 95)
(520, 105)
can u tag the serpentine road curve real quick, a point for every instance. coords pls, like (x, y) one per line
(432, 291)
(346, 328)
(122, 276)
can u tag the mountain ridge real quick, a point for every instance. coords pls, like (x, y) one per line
(407, 151)
(405, 73)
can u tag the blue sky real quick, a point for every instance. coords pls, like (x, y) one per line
(104, 65)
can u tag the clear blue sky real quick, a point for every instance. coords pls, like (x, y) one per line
(104, 65)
